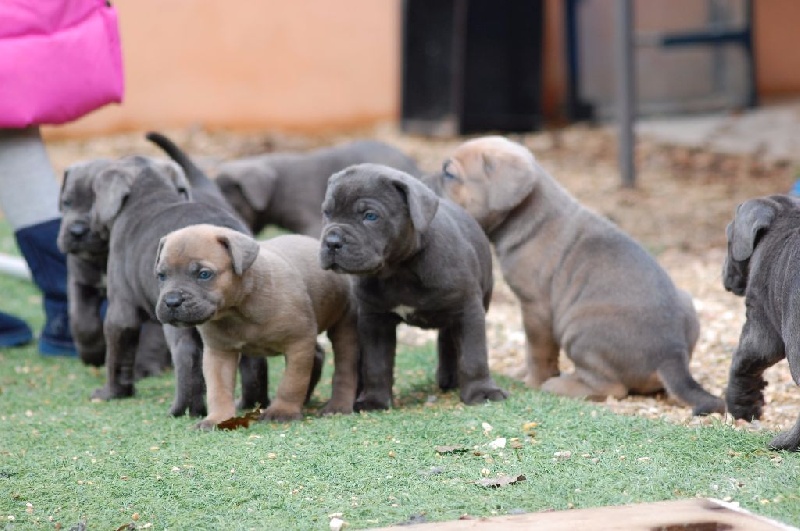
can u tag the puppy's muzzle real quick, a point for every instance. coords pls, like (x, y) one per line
(334, 240)
(79, 230)
(174, 299)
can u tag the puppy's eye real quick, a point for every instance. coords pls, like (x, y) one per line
(446, 171)
(205, 274)
(369, 215)
(161, 277)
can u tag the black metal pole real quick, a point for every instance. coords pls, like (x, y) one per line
(626, 90)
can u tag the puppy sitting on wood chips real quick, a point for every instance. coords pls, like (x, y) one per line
(584, 285)
(761, 265)
(267, 299)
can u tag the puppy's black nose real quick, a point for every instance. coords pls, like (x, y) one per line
(173, 299)
(334, 240)
(79, 229)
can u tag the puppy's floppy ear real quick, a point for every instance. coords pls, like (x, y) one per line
(111, 188)
(752, 217)
(176, 174)
(61, 192)
(511, 179)
(422, 201)
(158, 253)
(255, 184)
(242, 249)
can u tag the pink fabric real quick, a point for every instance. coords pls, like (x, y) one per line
(58, 60)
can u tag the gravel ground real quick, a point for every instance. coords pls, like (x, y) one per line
(683, 200)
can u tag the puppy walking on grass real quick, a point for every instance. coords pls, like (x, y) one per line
(267, 299)
(761, 265)
(583, 284)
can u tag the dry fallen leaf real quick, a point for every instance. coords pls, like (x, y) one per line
(243, 421)
(500, 481)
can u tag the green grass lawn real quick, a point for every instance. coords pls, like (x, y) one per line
(66, 460)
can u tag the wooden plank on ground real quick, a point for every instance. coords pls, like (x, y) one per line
(697, 514)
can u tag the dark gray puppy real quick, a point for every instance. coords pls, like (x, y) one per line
(138, 201)
(287, 189)
(418, 259)
(87, 254)
(761, 264)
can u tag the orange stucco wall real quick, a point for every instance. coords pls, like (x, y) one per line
(300, 64)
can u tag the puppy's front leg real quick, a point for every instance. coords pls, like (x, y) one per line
(288, 403)
(219, 370)
(377, 335)
(542, 349)
(122, 340)
(760, 347)
(85, 298)
(468, 338)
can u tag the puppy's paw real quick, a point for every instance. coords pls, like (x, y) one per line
(177, 410)
(206, 425)
(249, 402)
(786, 440)
(332, 408)
(480, 394)
(371, 403)
(447, 380)
(147, 369)
(744, 398)
(95, 356)
(707, 407)
(198, 409)
(109, 392)
(281, 414)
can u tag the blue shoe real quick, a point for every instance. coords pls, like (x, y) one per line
(55, 338)
(14, 332)
(795, 191)
(48, 268)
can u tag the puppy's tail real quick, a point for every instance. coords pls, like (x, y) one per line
(680, 383)
(197, 178)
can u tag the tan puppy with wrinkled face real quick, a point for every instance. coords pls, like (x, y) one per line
(583, 284)
(267, 299)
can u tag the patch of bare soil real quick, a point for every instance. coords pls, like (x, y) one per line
(683, 200)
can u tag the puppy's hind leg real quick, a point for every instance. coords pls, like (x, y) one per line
(186, 348)
(255, 389)
(153, 354)
(584, 384)
(447, 370)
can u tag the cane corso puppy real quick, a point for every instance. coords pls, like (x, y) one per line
(266, 299)
(583, 284)
(137, 201)
(415, 258)
(287, 189)
(87, 253)
(761, 265)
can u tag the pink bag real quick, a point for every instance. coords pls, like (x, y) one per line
(58, 60)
